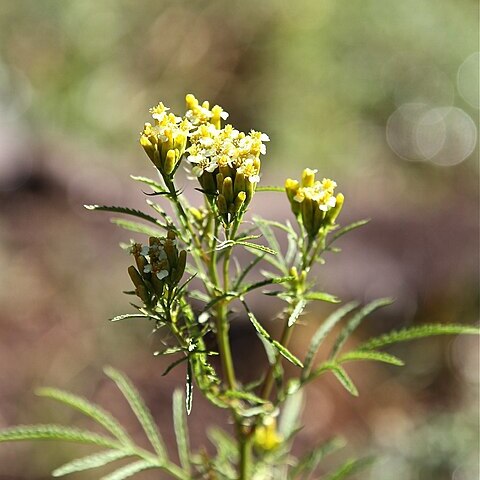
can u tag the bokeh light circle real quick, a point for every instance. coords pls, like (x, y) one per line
(468, 78)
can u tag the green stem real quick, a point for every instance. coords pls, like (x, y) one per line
(284, 340)
(245, 450)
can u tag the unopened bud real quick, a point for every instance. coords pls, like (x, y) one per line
(334, 212)
(239, 202)
(227, 190)
(308, 177)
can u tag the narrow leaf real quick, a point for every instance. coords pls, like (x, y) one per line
(256, 246)
(322, 296)
(151, 183)
(181, 429)
(350, 467)
(136, 227)
(92, 461)
(267, 232)
(421, 331)
(88, 408)
(348, 228)
(290, 417)
(56, 432)
(287, 354)
(355, 321)
(139, 408)
(270, 188)
(371, 355)
(299, 307)
(189, 388)
(129, 470)
(278, 346)
(126, 211)
(309, 463)
(127, 316)
(322, 332)
(344, 379)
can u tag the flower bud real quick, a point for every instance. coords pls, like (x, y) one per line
(308, 177)
(170, 161)
(239, 202)
(291, 187)
(227, 190)
(332, 214)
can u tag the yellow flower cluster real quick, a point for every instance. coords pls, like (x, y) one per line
(314, 201)
(165, 140)
(216, 154)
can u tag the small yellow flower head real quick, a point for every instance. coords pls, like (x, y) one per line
(314, 202)
(267, 437)
(165, 141)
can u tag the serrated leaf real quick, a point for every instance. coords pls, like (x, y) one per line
(309, 463)
(136, 227)
(297, 311)
(181, 429)
(371, 355)
(344, 379)
(412, 333)
(56, 432)
(126, 316)
(139, 409)
(322, 296)
(88, 408)
(355, 321)
(322, 331)
(126, 211)
(189, 389)
(129, 470)
(350, 467)
(91, 461)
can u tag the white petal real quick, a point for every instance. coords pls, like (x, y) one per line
(224, 115)
(162, 274)
(264, 137)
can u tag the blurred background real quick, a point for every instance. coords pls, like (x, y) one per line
(380, 95)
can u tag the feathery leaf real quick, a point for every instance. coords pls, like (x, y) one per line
(91, 461)
(139, 408)
(88, 408)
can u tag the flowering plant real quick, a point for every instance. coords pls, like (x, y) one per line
(185, 284)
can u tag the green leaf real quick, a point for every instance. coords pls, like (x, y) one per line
(264, 283)
(247, 396)
(355, 321)
(129, 470)
(348, 228)
(322, 296)
(128, 315)
(309, 463)
(344, 379)
(139, 408)
(88, 408)
(127, 211)
(271, 260)
(56, 432)
(181, 429)
(267, 232)
(287, 354)
(278, 346)
(421, 331)
(151, 183)
(350, 467)
(189, 388)
(270, 188)
(290, 416)
(322, 331)
(371, 355)
(92, 461)
(297, 311)
(256, 246)
(136, 227)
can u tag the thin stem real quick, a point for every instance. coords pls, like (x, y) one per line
(284, 340)
(245, 450)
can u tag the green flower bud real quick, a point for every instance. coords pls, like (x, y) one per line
(227, 190)
(170, 162)
(222, 204)
(240, 183)
(335, 211)
(239, 202)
